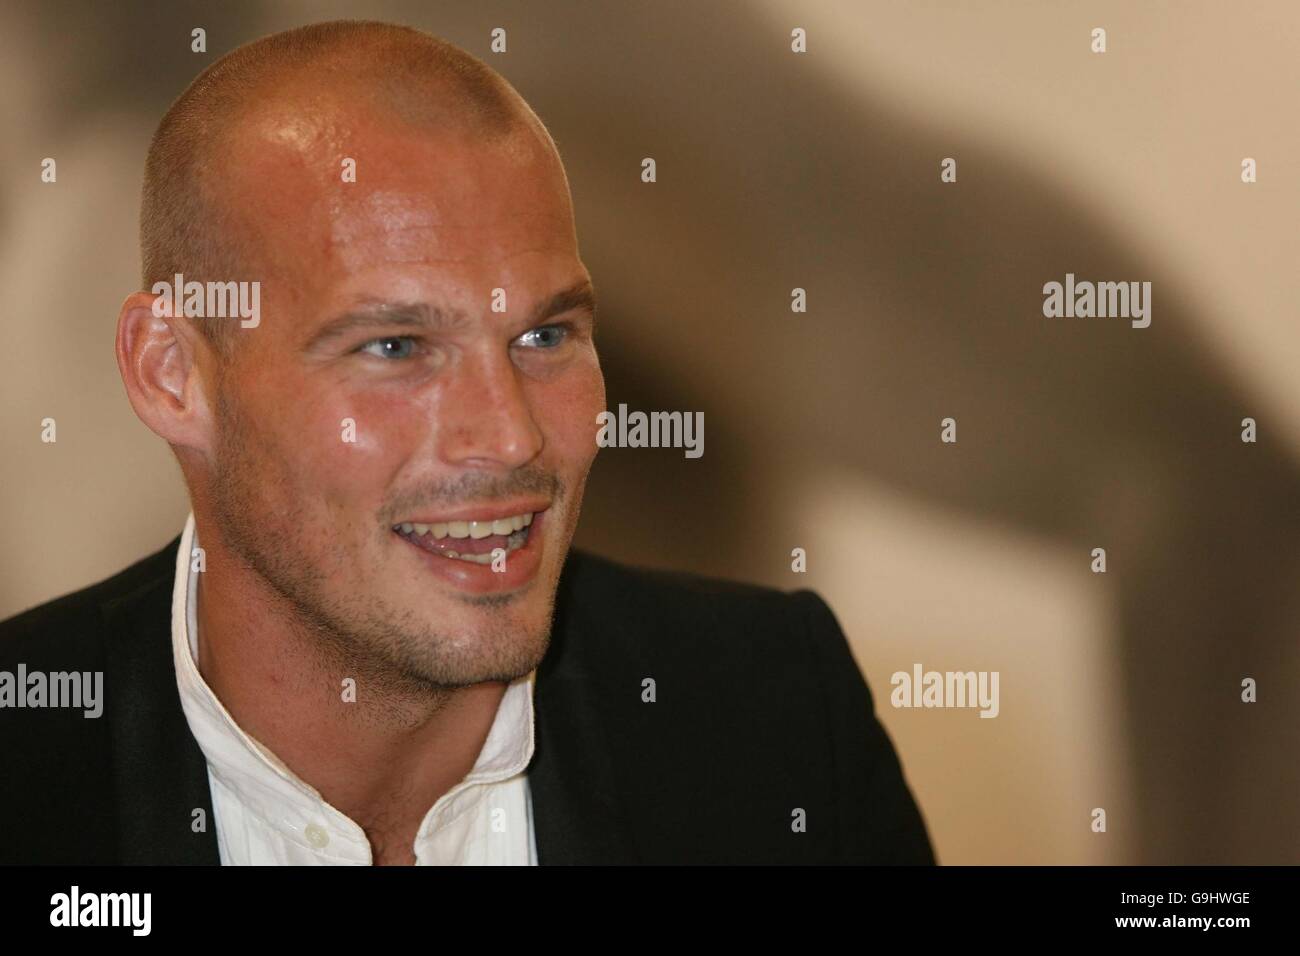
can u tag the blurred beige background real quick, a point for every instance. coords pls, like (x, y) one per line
(821, 430)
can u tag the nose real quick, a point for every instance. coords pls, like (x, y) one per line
(486, 416)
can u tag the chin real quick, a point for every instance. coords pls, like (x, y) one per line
(470, 648)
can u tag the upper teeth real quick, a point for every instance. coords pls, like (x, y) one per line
(471, 529)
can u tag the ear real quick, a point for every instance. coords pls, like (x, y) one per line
(161, 359)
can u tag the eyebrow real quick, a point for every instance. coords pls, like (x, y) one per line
(426, 315)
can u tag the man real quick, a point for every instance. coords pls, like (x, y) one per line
(372, 642)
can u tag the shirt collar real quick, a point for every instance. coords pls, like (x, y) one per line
(261, 780)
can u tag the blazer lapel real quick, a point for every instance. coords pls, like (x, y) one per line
(160, 773)
(578, 815)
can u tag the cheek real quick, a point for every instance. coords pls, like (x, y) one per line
(347, 446)
(568, 410)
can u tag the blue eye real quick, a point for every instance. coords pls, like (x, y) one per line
(393, 347)
(549, 336)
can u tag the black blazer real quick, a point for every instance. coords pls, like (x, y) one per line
(760, 711)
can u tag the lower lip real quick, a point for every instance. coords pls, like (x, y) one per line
(521, 565)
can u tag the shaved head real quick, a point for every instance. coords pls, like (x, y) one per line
(190, 223)
(424, 356)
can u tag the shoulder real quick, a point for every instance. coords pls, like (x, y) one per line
(750, 659)
(604, 584)
(73, 624)
(59, 763)
(697, 614)
(730, 711)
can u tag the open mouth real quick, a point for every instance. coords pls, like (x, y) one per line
(472, 541)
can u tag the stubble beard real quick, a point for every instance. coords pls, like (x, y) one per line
(395, 653)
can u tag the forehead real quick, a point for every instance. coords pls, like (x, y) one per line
(431, 203)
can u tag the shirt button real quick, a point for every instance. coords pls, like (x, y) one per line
(316, 836)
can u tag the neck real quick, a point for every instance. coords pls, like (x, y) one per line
(382, 754)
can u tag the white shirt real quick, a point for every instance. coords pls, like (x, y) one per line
(266, 815)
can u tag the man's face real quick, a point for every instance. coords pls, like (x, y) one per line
(384, 416)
